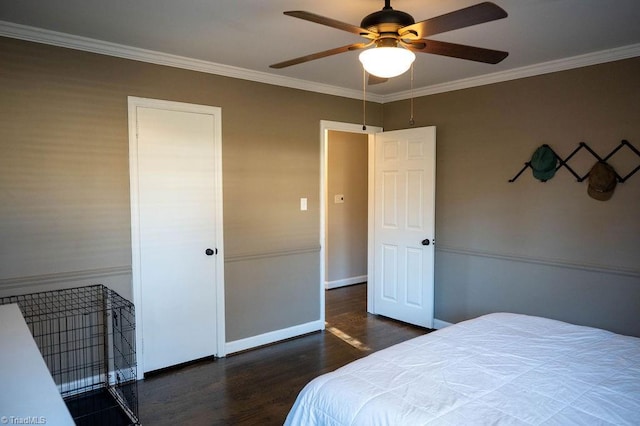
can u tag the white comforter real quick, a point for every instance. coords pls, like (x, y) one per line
(496, 369)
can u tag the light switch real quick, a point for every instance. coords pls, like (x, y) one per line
(303, 204)
(338, 199)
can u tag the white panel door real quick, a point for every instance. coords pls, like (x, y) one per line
(176, 233)
(404, 225)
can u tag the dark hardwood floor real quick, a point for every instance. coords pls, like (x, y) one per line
(258, 387)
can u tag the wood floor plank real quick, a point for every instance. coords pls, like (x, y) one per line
(258, 387)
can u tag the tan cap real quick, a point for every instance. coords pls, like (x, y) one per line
(602, 181)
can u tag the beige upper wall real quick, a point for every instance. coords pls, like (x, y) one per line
(64, 163)
(485, 134)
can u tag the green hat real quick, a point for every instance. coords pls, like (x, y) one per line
(543, 163)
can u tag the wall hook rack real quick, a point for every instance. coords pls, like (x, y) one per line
(582, 145)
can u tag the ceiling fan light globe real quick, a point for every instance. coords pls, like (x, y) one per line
(387, 62)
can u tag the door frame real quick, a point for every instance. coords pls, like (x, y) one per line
(216, 112)
(325, 127)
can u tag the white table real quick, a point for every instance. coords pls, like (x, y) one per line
(28, 394)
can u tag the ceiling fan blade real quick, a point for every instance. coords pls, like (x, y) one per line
(319, 55)
(460, 51)
(472, 15)
(374, 79)
(322, 20)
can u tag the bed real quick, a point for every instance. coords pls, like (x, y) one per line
(499, 368)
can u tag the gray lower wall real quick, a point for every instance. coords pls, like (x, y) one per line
(289, 280)
(473, 284)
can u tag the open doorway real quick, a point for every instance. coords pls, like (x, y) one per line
(346, 209)
(401, 222)
(344, 206)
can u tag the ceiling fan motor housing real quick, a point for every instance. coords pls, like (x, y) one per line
(386, 21)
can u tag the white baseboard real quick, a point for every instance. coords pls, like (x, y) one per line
(272, 337)
(328, 285)
(438, 324)
(288, 333)
(98, 381)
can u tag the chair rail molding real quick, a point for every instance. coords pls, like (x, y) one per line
(560, 263)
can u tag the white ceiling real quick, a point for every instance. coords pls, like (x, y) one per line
(243, 37)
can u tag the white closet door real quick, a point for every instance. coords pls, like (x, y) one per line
(176, 228)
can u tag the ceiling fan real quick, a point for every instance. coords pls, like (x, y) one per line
(397, 32)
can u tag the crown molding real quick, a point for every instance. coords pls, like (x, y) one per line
(579, 61)
(54, 38)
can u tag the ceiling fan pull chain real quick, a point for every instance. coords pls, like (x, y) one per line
(364, 99)
(411, 120)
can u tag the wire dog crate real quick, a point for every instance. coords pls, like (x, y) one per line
(87, 338)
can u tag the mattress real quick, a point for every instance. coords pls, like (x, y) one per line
(501, 368)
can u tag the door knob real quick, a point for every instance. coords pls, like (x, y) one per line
(209, 252)
(425, 242)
